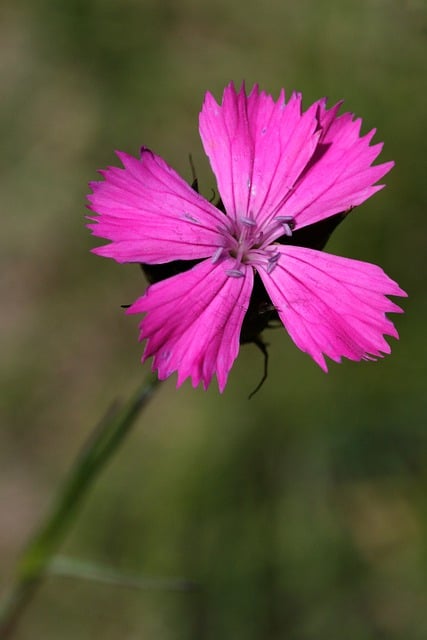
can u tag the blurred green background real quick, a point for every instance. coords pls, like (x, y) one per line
(302, 513)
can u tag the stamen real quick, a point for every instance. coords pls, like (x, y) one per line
(234, 273)
(284, 218)
(249, 222)
(216, 256)
(287, 223)
(272, 262)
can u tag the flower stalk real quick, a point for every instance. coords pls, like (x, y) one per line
(97, 451)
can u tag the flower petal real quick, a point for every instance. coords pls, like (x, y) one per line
(339, 175)
(257, 148)
(332, 306)
(193, 322)
(151, 214)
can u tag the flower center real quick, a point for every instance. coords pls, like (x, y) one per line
(250, 244)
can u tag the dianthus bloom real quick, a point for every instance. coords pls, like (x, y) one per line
(280, 172)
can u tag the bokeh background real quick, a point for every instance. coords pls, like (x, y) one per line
(302, 513)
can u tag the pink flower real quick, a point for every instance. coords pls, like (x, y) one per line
(285, 179)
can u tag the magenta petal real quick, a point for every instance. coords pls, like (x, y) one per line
(257, 148)
(193, 322)
(151, 215)
(332, 306)
(339, 175)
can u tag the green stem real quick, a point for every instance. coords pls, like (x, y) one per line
(100, 447)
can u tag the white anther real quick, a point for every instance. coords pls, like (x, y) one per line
(216, 256)
(249, 222)
(234, 273)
